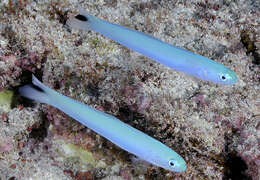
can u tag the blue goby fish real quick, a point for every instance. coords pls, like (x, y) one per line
(172, 56)
(108, 126)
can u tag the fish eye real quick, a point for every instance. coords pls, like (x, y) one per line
(171, 163)
(223, 77)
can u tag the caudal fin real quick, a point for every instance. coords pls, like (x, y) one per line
(38, 91)
(82, 21)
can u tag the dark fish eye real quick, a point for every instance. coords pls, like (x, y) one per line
(223, 77)
(171, 163)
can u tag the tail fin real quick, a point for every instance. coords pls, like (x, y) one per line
(82, 21)
(38, 91)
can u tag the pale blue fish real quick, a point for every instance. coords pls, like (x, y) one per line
(172, 56)
(108, 126)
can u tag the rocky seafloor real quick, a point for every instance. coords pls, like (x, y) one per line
(215, 128)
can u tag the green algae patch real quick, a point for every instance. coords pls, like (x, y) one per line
(86, 157)
(6, 97)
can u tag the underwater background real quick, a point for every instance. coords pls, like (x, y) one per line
(215, 128)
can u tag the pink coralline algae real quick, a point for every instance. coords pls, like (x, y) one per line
(125, 173)
(249, 151)
(13, 67)
(237, 122)
(10, 71)
(135, 99)
(79, 175)
(4, 117)
(201, 101)
(144, 103)
(5, 146)
(31, 62)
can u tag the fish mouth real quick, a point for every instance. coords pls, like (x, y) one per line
(232, 78)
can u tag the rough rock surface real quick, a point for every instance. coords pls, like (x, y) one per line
(215, 128)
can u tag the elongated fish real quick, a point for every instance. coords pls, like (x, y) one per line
(108, 126)
(172, 56)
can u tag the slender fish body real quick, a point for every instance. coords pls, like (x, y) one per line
(172, 56)
(121, 134)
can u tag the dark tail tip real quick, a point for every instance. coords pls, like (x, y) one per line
(81, 17)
